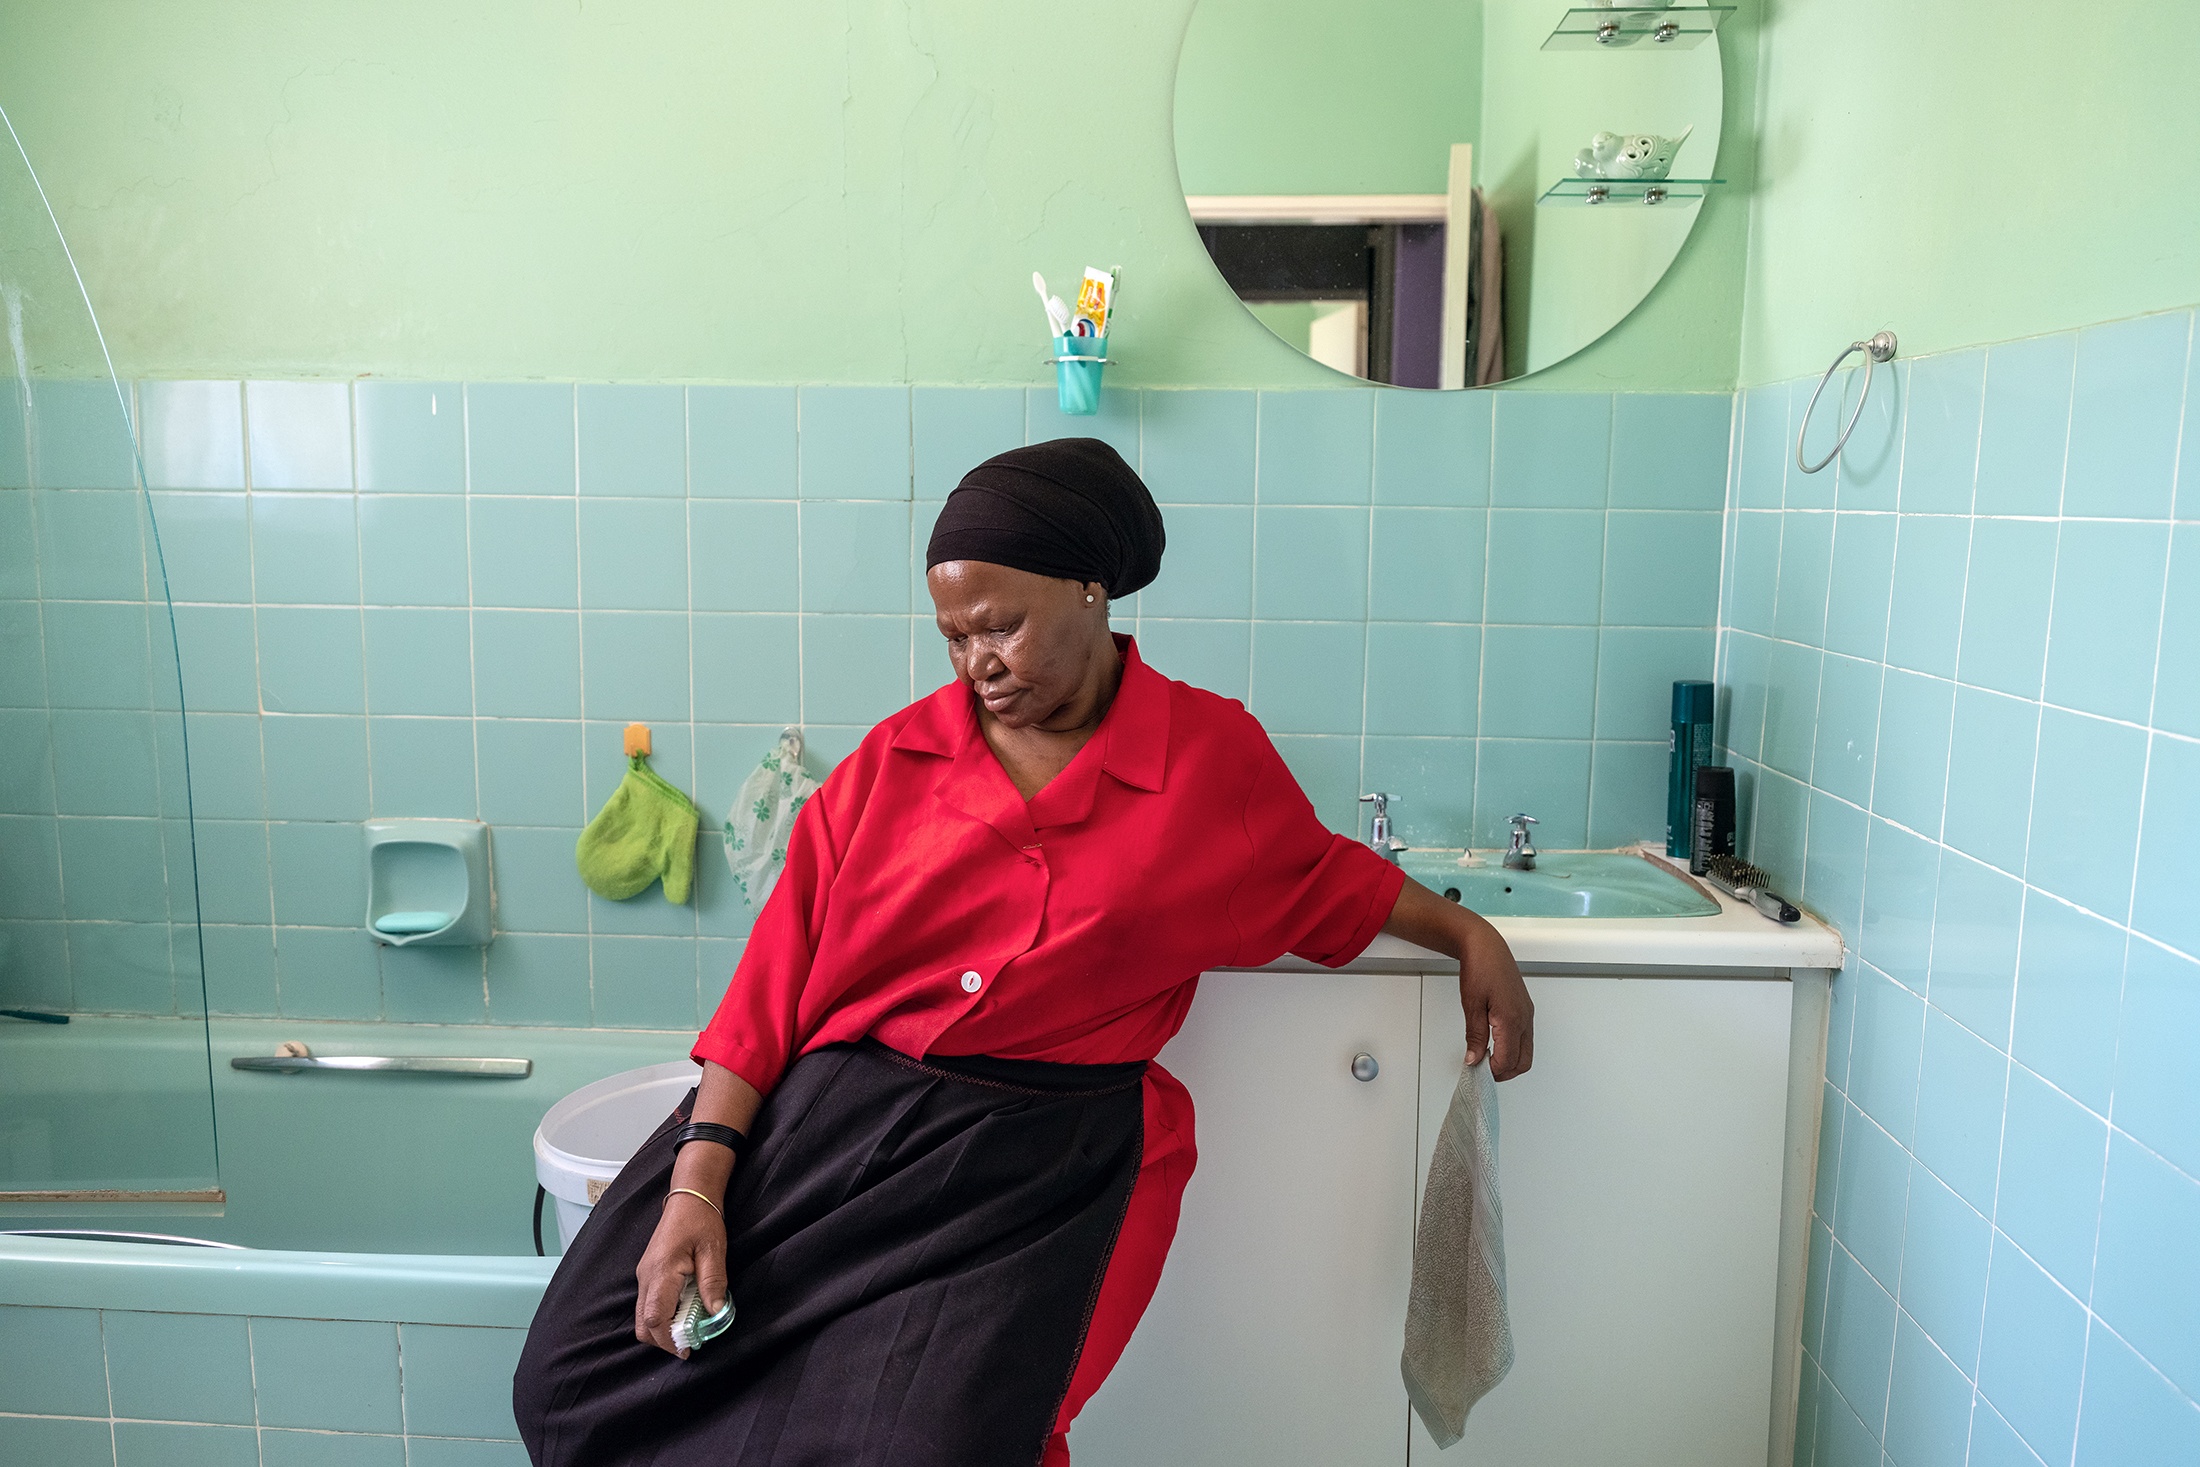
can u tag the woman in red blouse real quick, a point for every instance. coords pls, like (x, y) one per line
(962, 1170)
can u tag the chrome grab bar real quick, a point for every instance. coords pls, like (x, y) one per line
(95, 1235)
(403, 1064)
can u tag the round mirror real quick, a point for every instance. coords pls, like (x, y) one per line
(1445, 193)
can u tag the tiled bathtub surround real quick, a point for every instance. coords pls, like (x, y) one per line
(96, 888)
(129, 1389)
(410, 599)
(1965, 687)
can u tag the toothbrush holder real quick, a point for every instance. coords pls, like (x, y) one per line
(1078, 362)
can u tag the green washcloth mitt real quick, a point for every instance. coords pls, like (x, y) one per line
(645, 831)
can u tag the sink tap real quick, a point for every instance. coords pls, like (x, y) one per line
(1379, 840)
(1520, 856)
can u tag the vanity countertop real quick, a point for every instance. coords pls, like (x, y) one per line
(1739, 942)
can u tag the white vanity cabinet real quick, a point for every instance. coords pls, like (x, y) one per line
(1655, 1167)
(1274, 1335)
(1640, 1166)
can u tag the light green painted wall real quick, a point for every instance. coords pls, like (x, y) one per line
(1964, 174)
(1317, 97)
(679, 190)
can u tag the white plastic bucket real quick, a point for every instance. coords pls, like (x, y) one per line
(588, 1136)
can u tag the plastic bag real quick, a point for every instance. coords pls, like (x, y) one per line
(762, 817)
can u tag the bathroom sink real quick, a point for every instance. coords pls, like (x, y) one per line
(1563, 884)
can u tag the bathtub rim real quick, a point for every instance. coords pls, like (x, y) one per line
(404, 1288)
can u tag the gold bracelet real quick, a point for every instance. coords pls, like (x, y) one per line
(714, 1207)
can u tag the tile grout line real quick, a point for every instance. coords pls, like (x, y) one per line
(473, 669)
(252, 1370)
(1596, 646)
(1367, 610)
(37, 505)
(1779, 561)
(801, 621)
(141, 500)
(1252, 557)
(687, 580)
(107, 1375)
(366, 699)
(1482, 657)
(2154, 695)
(247, 472)
(580, 642)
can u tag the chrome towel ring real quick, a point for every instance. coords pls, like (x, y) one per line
(1879, 348)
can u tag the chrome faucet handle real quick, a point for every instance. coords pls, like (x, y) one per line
(1521, 855)
(1379, 839)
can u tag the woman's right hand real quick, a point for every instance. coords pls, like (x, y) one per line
(690, 1243)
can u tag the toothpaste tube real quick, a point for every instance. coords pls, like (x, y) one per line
(1095, 300)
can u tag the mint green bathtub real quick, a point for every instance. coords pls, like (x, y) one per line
(386, 1275)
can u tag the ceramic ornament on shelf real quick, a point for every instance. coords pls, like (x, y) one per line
(1633, 155)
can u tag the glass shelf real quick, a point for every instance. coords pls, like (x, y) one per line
(1625, 192)
(1646, 27)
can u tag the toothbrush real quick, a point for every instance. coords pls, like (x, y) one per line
(1057, 313)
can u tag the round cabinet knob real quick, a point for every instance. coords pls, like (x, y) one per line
(1364, 1067)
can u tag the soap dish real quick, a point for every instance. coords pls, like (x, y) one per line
(428, 882)
(412, 924)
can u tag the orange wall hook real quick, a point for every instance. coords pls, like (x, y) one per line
(637, 739)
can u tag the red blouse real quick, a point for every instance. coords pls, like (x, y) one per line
(927, 904)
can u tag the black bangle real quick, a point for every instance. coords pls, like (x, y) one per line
(725, 1136)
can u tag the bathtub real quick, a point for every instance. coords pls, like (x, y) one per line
(386, 1275)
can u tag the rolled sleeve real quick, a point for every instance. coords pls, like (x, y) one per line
(757, 1029)
(1307, 890)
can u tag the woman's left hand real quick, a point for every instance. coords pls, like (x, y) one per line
(1499, 1014)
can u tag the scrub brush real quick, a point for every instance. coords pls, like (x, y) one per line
(1746, 883)
(691, 1327)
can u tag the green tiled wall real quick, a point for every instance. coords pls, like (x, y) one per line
(1963, 669)
(117, 1388)
(446, 600)
(96, 885)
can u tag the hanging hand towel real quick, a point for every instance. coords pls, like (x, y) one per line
(762, 817)
(1458, 1334)
(644, 832)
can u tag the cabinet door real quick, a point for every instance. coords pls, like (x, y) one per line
(1275, 1334)
(1639, 1163)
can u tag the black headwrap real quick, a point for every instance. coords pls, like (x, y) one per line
(1070, 508)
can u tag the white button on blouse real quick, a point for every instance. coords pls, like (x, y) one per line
(971, 981)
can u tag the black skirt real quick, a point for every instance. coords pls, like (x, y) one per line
(913, 1250)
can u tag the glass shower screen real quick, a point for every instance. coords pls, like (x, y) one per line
(106, 1101)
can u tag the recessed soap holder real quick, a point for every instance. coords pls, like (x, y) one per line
(428, 882)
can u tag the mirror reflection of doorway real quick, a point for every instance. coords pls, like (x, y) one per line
(1364, 283)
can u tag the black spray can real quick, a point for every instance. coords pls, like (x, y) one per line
(1714, 823)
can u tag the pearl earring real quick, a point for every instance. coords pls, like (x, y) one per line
(1088, 598)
